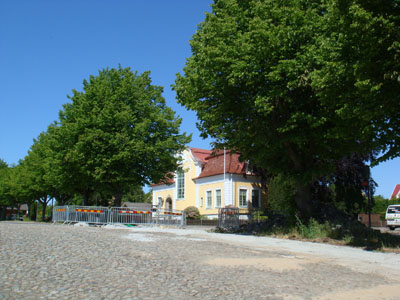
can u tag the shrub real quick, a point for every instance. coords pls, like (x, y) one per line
(281, 192)
(313, 229)
(258, 216)
(192, 213)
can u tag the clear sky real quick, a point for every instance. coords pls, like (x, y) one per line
(48, 47)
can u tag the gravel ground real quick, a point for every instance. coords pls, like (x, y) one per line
(42, 261)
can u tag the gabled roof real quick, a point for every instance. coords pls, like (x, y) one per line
(215, 164)
(396, 192)
(212, 163)
(200, 154)
(167, 181)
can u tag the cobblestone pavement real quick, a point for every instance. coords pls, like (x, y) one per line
(42, 261)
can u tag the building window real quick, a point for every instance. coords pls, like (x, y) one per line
(255, 198)
(180, 184)
(242, 197)
(218, 198)
(159, 202)
(208, 199)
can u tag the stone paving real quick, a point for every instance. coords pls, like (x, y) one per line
(43, 261)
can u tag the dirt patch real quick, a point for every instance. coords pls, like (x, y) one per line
(380, 292)
(282, 263)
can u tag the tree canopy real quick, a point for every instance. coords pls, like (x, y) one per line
(118, 132)
(298, 85)
(114, 136)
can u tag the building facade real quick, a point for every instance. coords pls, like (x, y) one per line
(210, 180)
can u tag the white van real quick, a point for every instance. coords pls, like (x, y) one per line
(393, 216)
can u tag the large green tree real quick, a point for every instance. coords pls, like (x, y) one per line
(13, 190)
(36, 172)
(297, 85)
(4, 199)
(118, 132)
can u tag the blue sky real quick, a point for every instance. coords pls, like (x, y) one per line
(48, 47)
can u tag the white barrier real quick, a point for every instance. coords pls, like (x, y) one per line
(125, 215)
(117, 215)
(91, 214)
(169, 217)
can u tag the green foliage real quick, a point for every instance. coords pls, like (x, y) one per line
(116, 133)
(380, 205)
(3, 183)
(3, 164)
(136, 194)
(348, 233)
(258, 216)
(313, 229)
(192, 213)
(280, 194)
(297, 85)
(13, 190)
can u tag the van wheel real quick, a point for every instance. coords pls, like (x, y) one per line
(392, 227)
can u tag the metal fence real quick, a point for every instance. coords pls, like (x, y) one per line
(60, 214)
(229, 217)
(91, 214)
(117, 215)
(124, 215)
(169, 217)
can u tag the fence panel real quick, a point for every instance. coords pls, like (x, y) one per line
(60, 214)
(229, 217)
(125, 215)
(169, 217)
(114, 215)
(89, 214)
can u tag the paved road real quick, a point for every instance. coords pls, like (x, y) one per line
(41, 261)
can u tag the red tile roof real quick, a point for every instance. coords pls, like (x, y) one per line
(167, 181)
(200, 154)
(396, 192)
(215, 164)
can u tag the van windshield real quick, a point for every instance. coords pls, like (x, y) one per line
(393, 210)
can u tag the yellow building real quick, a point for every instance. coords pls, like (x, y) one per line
(210, 180)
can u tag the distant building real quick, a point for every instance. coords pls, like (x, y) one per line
(396, 192)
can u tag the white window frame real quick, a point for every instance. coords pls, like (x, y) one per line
(178, 196)
(259, 198)
(216, 197)
(206, 196)
(247, 197)
(159, 201)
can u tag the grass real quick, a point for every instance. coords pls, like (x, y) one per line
(351, 234)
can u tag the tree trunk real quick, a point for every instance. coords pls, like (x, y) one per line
(32, 211)
(118, 198)
(86, 197)
(303, 190)
(303, 200)
(44, 210)
(3, 213)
